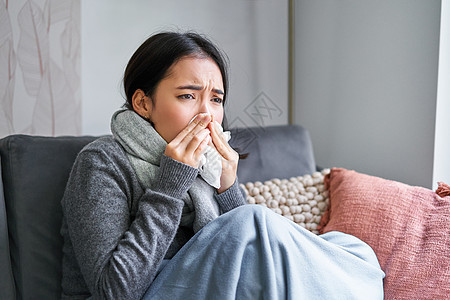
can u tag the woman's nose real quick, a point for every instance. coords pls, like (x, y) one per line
(204, 107)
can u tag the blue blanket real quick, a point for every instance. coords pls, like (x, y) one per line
(254, 253)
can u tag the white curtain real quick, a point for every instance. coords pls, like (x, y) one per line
(40, 67)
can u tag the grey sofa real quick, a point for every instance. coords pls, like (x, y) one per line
(34, 172)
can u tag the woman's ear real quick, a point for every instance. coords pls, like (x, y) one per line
(142, 104)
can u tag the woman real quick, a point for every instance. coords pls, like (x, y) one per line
(141, 220)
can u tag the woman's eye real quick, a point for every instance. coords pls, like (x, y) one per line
(218, 100)
(186, 97)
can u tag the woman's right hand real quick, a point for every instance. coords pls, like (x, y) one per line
(188, 146)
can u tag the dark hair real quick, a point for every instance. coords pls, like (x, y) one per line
(152, 60)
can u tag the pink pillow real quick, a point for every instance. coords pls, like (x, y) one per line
(408, 227)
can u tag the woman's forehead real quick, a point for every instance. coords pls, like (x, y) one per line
(200, 71)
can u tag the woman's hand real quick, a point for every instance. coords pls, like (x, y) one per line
(188, 146)
(230, 158)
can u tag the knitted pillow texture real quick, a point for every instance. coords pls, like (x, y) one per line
(301, 199)
(408, 228)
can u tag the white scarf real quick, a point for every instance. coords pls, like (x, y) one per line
(144, 148)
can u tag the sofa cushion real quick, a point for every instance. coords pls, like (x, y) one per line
(408, 227)
(35, 171)
(273, 152)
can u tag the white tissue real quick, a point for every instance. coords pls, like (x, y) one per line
(210, 166)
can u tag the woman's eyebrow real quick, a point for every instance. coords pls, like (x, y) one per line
(198, 88)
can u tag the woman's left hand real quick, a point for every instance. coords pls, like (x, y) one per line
(230, 158)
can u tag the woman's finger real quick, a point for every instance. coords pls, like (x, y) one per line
(188, 154)
(195, 141)
(201, 148)
(219, 141)
(200, 122)
(187, 145)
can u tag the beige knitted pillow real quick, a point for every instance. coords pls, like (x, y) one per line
(301, 199)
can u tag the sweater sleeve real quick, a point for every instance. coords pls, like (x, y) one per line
(119, 255)
(231, 198)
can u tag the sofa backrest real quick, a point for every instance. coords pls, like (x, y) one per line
(273, 152)
(35, 171)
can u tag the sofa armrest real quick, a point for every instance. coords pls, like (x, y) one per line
(6, 277)
(35, 171)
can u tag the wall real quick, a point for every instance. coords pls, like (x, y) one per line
(365, 84)
(366, 72)
(44, 92)
(252, 33)
(441, 166)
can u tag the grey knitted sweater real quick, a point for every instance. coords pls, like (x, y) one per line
(116, 233)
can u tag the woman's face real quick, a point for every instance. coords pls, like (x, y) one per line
(193, 86)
